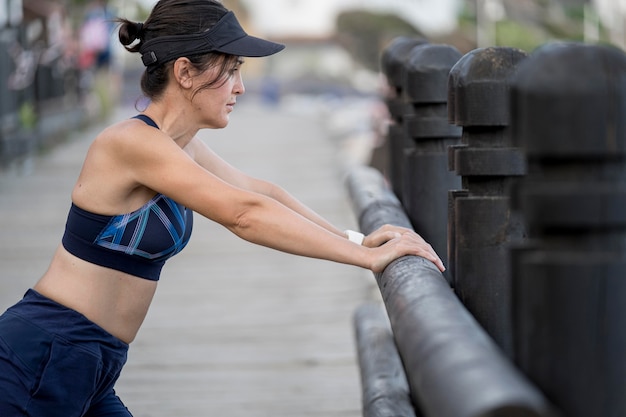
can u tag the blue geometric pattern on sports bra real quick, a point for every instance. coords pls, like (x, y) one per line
(112, 236)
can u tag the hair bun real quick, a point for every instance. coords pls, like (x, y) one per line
(138, 30)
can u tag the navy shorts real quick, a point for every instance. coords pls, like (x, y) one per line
(54, 362)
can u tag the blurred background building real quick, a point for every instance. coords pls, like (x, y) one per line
(61, 67)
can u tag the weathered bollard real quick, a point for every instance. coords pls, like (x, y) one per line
(453, 367)
(392, 62)
(569, 114)
(481, 225)
(427, 179)
(385, 388)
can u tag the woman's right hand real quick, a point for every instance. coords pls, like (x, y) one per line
(391, 242)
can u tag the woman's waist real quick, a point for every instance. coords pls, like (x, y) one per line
(39, 320)
(116, 301)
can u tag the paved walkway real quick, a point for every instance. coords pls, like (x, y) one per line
(235, 329)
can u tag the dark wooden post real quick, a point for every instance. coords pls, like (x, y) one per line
(481, 224)
(393, 66)
(427, 179)
(569, 114)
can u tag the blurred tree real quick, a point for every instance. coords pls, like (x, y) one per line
(526, 24)
(365, 34)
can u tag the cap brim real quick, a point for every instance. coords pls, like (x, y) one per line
(250, 46)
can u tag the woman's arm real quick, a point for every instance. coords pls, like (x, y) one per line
(209, 160)
(155, 161)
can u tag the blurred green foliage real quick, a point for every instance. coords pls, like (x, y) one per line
(528, 25)
(513, 34)
(364, 34)
(27, 116)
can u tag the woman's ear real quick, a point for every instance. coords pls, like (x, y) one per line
(183, 72)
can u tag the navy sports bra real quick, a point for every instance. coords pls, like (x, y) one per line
(137, 243)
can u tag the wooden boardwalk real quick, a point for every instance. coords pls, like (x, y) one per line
(235, 329)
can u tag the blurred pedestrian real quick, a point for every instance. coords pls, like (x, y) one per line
(95, 36)
(63, 345)
(100, 76)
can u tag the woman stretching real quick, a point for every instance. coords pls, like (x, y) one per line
(63, 345)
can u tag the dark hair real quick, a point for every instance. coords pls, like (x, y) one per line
(177, 17)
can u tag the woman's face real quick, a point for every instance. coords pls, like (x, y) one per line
(214, 104)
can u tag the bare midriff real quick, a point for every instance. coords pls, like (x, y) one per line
(114, 300)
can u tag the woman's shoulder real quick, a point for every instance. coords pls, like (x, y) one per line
(119, 148)
(125, 130)
(128, 136)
